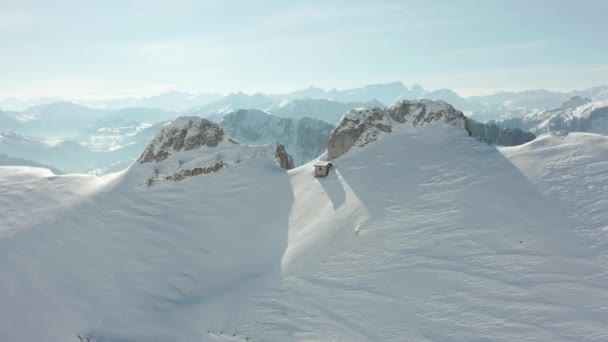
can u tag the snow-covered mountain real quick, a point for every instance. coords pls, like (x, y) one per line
(575, 115)
(21, 104)
(87, 140)
(70, 156)
(322, 109)
(193, 146)
(169, 101)
(57, 120)
(6, 160)
(420, 234)
(517, 104)
(121, 127)
(362, 126)
(376, 94)
(506, 105)
(230, 103)
(303, 138)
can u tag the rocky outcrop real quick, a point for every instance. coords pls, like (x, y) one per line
(283, 158)
(492, 133)
(361, 126)
(183, 134)
(193, 146)
(425, 111)
(358, 127)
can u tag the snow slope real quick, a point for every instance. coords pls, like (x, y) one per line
(572, 167)
(421, 235)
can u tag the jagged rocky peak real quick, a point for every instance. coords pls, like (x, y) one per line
(361, 126)
(184, 133)
(420, 112)
(194, 146)
(358, 127)
(575, 101)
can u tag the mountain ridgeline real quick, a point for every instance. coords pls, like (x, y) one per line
(361, 126)
(304, 138)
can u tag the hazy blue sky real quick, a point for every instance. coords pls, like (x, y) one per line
(83, 49)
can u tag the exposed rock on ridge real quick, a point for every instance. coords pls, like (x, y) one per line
(361, 126)
(184, 133)
(358, 127)
(193, 146)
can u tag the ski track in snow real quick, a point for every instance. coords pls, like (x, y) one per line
(444, 239)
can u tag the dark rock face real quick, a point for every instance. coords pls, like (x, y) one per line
(283, 158)
(358, 127)
(304, 138)
(491, 133)
(184, 133)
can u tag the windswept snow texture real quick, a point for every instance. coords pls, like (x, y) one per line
(574, 168)
(422, 235)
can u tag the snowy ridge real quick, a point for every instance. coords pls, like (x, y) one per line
(362, 126)
(423, 235)
(192, 146)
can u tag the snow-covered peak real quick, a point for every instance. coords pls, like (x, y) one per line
(362, 126)
(575, 101)
(586, 117)
(192, 146)
(184, 133)
(424, 111)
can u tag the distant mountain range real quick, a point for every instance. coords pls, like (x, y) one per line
(107, 140)
(303, 138)
(487, 107)
(577, 114)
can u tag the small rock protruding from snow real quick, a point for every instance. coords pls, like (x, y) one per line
(184, 133)
(283, 158)
(361, 126)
